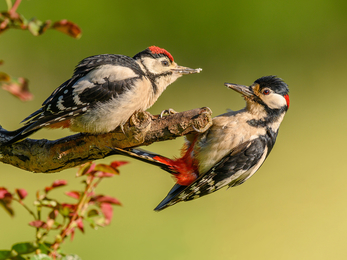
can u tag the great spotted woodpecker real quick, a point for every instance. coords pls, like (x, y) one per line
(103, 93)
(231, 150)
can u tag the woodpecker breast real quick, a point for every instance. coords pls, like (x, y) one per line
(228, 131)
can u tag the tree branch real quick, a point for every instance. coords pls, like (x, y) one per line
(142, 129)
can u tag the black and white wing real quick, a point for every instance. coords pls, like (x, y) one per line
(96, 79)
(232, 170)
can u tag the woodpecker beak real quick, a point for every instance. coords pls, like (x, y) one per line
(244, 90)
(185, 70)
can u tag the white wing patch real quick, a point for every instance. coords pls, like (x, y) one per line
(112, 72)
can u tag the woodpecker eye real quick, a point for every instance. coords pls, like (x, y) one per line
(266, 92)
(165, 63)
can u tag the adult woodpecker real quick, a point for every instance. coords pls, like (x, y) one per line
(231, 150)
(103, 93)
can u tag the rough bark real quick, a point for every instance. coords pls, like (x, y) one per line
(142, 129)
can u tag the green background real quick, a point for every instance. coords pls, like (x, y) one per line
(295, 207)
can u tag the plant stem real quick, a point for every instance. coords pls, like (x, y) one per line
(9, 5)
(80, 205)
(26, 207)
(15, 6)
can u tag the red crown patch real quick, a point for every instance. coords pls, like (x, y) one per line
(157, 50)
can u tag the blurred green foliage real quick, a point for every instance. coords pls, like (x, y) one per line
(293, 208)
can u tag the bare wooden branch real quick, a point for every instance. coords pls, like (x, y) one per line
(142, 129)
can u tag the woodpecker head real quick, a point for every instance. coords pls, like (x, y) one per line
(267, 93)
(159, 65)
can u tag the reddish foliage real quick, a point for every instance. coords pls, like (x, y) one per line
(4, 193)
(103, 174)
(18, 87)
(38, 224)
(72, 207)
(85, 169)
(73, 194)
(22, 193)
(55, 184)
(73, 214)
(80, 225)
(116, 164)
(72, 233)
(107, 211)
(106, 199)
(68, 28)
(59, 183)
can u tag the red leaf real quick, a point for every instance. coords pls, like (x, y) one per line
(107, 210)
(47, 189)
(116, 164)
(106, 199)
(85, 169)
(5, 200)
(72, 233)
(59, 183)
(103, 174)
(68, 28)
(69, 206)
(22, 193)
(73, 194)
(38, 224)
(79, 223)
(4, 193)
(18, 87)
(55, 184)
(106, 168)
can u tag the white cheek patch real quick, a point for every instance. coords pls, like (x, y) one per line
(154, 65)
(274, 101)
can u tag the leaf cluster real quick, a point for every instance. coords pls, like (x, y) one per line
(60, 220)
(10, 19)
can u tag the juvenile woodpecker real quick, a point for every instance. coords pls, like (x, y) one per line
(231, 150)
(103, 93)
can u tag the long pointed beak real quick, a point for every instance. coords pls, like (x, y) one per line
(244, 90)
(185, 70)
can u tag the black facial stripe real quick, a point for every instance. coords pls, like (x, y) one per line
(272, 116)
(152, 77)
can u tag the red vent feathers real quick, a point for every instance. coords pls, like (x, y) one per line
(157, 50)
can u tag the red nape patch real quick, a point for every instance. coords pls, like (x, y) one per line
(62, 124)
(157, 50)
(287, 99)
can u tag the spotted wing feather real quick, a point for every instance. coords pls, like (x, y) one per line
(63, 104)
(232, 170)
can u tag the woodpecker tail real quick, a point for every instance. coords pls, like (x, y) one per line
(9, 137)
(147, 157)
(184, 174)
(167, 201)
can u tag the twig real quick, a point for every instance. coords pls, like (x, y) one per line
(142, 129)
(14, 7)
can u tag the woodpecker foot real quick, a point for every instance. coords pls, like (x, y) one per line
(207, 126)
(122, 128)
(168, 112)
